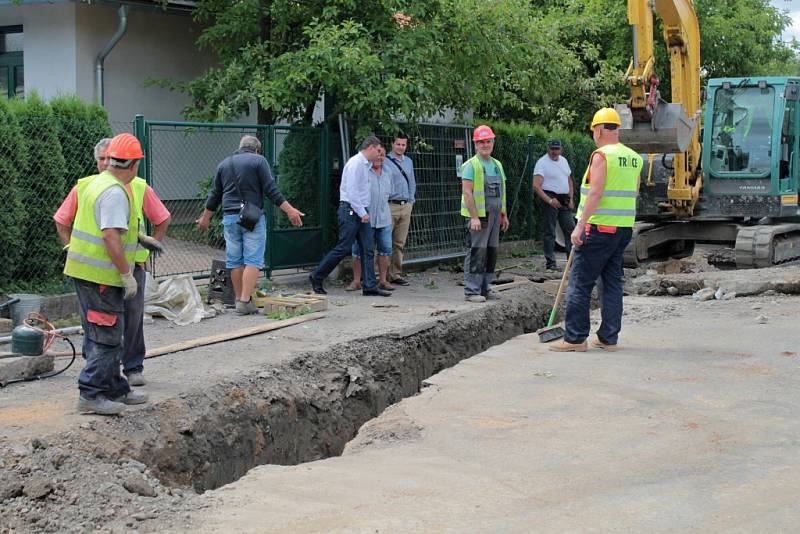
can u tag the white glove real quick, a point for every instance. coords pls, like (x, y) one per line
(131, 286)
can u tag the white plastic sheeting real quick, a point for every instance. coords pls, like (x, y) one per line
(175, 298)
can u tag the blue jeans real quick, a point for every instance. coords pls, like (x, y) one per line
(133, 355)
(243, 247)
(351, 229)
(383, 240)
(600, 256)
(103, 321)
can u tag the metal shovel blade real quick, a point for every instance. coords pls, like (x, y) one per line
(669, 132)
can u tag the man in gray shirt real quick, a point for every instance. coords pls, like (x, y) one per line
(354, 199)
(245, 177)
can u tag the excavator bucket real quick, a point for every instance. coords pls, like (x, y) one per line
(669, 132)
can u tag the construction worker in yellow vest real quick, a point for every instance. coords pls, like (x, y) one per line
(100, 259)
(606, 215)
(483, 203)
(149, 206)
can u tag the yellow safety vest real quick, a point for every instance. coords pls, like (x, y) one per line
(139, 186)
(478, 189)
(87, 258)
(618, 204)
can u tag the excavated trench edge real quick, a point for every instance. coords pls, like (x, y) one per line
(307, 408)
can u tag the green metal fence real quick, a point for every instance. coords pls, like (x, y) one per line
(180, 161)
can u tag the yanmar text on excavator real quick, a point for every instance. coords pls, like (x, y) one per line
(732, 179)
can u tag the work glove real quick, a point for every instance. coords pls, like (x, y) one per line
(131, 286)
(152, 244)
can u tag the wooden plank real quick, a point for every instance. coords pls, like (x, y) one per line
(511, 285)
(236, 334)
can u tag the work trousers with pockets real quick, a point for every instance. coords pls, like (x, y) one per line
(401, 222)
(350, 229)
(600, 256)
(482, 248)
(134, 350)
(103, 320)
(551, 216)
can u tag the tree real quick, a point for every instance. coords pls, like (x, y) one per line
(13, 158)
(378, 64)
(43, 179)
(551, 62)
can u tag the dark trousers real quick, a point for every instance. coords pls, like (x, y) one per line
(600, 256)
(103, 321)
(351, 229)
(564, 217)
(133, 355)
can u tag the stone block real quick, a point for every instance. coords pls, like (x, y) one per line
(6, 325)
(16, 367)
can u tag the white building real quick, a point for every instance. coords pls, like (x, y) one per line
(53, 47)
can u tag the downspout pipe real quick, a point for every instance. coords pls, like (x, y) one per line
(122, 16)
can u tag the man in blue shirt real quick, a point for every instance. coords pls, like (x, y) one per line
(401, 201)
(354, 199)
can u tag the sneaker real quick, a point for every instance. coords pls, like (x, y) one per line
(400, 281)
(131, 397)
(491, 295)
(246, 308)
(99, 405)
(136, 379)
(377, 292)
(475, 298)
(563, 346)
(605, 346)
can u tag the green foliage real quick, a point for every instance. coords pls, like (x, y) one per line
(43, 177)
(512, 140)
(298, 167)
(550, 62)
(80, 127)
(13, 159)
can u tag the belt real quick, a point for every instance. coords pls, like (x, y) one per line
(400, 202)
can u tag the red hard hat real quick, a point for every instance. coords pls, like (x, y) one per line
(124, 147)
(482, 132)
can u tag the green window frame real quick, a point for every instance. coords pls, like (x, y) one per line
(12, 68)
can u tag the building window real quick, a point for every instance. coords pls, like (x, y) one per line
(12, 70)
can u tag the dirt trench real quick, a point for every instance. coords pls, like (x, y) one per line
(306, 409)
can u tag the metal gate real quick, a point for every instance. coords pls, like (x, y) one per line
(180, 161)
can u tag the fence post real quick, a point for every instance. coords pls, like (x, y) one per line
(140, 132)
(529, 172)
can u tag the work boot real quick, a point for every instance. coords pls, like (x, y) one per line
(99, 405)
(491, 295)
(563, 346)
(130, 398)
(598, 344)
(246, 308)
(474, 298)
(316, 285)
(136, 379)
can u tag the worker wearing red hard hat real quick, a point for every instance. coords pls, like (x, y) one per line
(483, 203)
(101, 258)
(148, 206)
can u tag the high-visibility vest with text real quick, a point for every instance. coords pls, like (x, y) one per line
(618, 204)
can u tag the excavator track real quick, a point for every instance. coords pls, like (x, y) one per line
(765, 246)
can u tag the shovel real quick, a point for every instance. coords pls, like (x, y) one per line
(550, 332)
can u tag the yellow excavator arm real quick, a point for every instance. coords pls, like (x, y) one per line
(651, 125)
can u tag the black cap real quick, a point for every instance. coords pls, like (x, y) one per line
(554, 143)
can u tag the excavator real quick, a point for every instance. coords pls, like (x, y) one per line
(726, 175)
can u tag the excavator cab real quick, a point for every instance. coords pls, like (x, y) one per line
(750, 147)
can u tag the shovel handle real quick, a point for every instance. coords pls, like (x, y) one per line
(560, 291)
